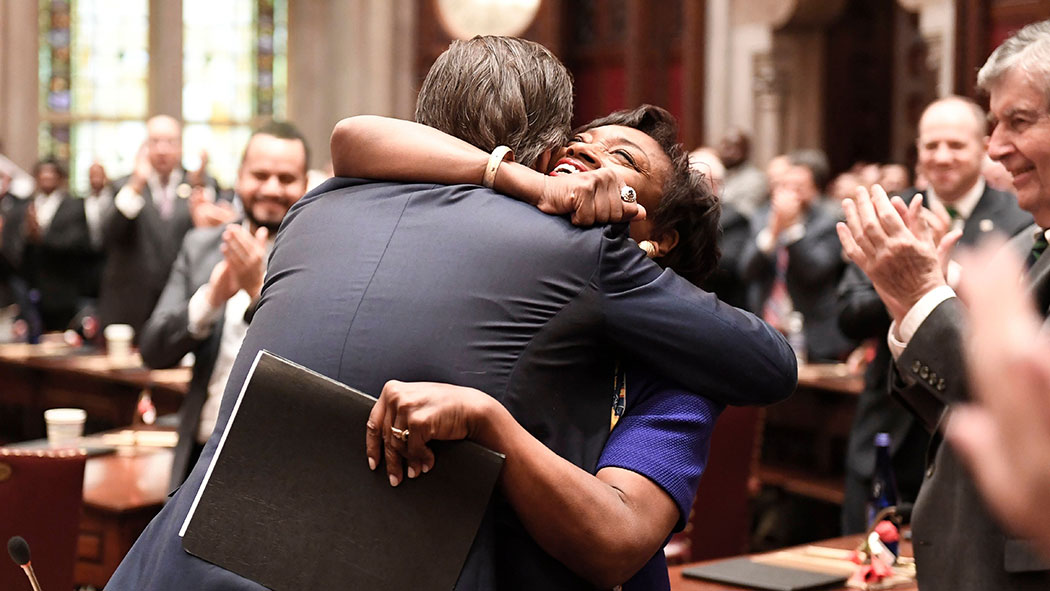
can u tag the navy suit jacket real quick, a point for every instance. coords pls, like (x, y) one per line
(375, 281)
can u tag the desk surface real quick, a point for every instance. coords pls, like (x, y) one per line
(679, 582)
(833, 377)
(61, 358)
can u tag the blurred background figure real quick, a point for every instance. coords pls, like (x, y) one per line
(793, 261)
(894, 178)
(47, 241)
(734, 230)
(706, 161)
(745, 185)
(144, 228)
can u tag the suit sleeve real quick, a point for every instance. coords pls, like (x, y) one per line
(931, 373)
(68, 232)
(688, 335)
(116, 227)
(165, 338)
(862, 314)
(816, 259)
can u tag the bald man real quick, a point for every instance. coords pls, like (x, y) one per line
(143, 229)
(951, 148)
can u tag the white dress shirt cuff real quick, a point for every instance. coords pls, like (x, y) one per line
(914, 319)
(202, 315)
(128, 202)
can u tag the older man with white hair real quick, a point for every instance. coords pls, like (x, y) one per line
(958, 546)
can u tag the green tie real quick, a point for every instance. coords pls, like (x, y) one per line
(954, 213)
(1038, 247)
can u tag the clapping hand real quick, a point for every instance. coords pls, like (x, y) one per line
(894, 246)
(245, 254)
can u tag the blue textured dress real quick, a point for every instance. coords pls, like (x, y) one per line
(664, 434)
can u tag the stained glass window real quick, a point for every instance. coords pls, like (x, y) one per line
(94, 79)
(94, 64)
(234, 72)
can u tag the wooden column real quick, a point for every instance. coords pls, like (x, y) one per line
(971, 43)
(19, 87)
(694, 57)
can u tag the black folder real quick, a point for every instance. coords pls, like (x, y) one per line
(756, 575)
(289, 501)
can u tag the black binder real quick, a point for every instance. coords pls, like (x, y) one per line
(289, 501)
(756, 575)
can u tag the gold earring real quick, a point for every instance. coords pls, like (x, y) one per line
(650, 248)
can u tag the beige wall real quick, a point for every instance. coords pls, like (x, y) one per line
(348, 57)
(18, 75)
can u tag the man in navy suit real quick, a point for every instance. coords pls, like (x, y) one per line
(371, 280)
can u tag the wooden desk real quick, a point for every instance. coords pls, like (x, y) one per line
(680, 582)
(38, 377)
(804, 437)
(122, 493)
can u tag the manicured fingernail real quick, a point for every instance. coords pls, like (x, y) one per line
(426, 468)
(394, 480)
(412, 472)
(371, 464)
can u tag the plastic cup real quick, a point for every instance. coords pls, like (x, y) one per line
(118, 342)
(64, 425)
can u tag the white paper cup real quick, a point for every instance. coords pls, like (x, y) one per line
(64, 425)
(118, 341)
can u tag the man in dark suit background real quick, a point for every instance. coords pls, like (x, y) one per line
(951, 151)
(958, 546)
(143, 230)
(370, 281)
(793, 260)
(47, 240)
(217, 277)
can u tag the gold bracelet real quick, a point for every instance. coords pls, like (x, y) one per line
(497, 157)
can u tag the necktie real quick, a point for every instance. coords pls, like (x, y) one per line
(1038, 247)
(778, 305)
(954, 213)
(167, 202)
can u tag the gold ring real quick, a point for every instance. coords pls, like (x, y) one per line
(401, 434)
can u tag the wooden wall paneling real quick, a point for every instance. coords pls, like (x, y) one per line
(971, 43)
(858, 84)
(1007, 16)
(693, 48)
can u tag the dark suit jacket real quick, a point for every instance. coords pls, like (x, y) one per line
(165, 338)
(139, 255)
(815, 265)
(373, 281)
(862, 315)
(725, 281)
(57, 264)
(958, 544)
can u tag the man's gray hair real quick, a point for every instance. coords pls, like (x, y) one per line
(493, 91)
(1027, 50)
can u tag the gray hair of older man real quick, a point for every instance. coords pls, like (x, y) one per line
(1027, 50)
(493, 91)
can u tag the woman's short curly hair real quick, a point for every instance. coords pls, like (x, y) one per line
(688, 204)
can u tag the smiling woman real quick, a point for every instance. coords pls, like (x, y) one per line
(608, 526)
